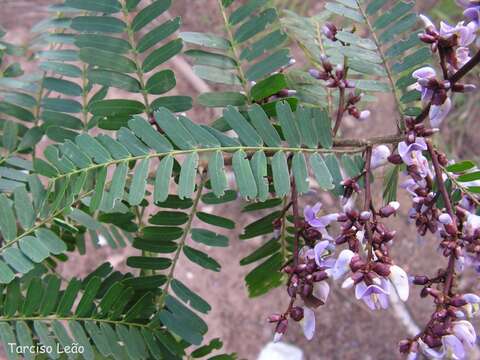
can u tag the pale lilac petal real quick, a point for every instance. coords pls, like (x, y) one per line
(424, 72)
(429, 352)
(380, 156)
(399, 279)
(308, 323)
(427, 22)
(369, 302)
(326, 220)
(360, 290)
(319, 249)
(342, 264)
(348, 283)
(445, 219)
(472, 14)
(465, 332)
(453, 347)
(471, 298)
(439, 112)
(383, 300)
(277, 337)
(321, 290)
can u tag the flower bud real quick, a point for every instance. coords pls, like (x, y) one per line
(296, 313)
(420, 280)
(426, 38)
(395, 159)
(381, 269)
(281, 329)
(389, 209)
(458, 302)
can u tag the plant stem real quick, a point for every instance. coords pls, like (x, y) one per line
(340, 111)
(296, 222)
(448, 205)
(465, 69)
(367, 205)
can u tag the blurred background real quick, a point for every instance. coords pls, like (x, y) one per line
(345, 328)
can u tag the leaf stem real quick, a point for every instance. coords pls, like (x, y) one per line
(399, 121)
(231, 38)
(181, 244)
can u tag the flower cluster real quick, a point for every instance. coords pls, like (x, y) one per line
(452, 43)
(336, 78)
(365, 263)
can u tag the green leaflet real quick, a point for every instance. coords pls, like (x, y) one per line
(162, 179)
(101, 6)
(200, 258)
(188, 173)
(24, 208)
(149, 13)
(174, 129)
(216, 173)
(244, 176)
(206, 40)
(158, 34)
(300, 172)
(148, 135)
(264, 127)
(161, 82)
(103, 24)
(117, 187)
(281, 175)
(288, 123)
(321, 172)
(8, 222)
(162, 54)
(245, 131)
(209, 238)
(139, 183)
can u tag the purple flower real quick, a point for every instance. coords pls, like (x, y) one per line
(424, 76)
(374, 296)
(408, 152)
(472, 12)
(380, 156)
(465, 33)
(319, 223)
(454, 346)
(342, 265)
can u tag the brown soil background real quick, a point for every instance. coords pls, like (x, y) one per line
(345, 330)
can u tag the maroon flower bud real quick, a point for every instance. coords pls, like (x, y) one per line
(404, 346)
(381, 269)
(441, 314)
(458, 302)
(442, 159)
(274, 318)
(451, 229)
(420, 280)
(319, 276)
(395, 159)
(296, 313)
(307, 290)
(426, 38)
(282, 326)
(327, 65)
(389, 210)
